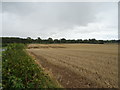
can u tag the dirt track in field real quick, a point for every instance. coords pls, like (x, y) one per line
(79, 65)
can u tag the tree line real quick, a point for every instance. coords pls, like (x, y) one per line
(7, 40)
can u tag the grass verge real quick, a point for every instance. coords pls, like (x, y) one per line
(20, 71)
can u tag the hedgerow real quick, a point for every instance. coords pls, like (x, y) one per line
(20, 71)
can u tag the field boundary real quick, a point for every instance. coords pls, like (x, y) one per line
(47, 72)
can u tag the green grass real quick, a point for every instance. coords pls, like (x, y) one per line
(20, 71)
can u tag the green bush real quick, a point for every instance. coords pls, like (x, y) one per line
(20, 71)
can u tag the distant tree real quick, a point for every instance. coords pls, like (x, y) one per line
(7, 40)
(93, 41)
(63, 40)
(29, 40)
(68, 41)
(50, 40)
(79, 41)
(39, 40)
(100, 42)
(119, 41)
(85, 41)
(56, 41)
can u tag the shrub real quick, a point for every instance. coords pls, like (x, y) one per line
(20, 71)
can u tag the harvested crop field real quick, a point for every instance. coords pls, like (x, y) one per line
(79, 65)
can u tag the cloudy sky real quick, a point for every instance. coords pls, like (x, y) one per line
(70, 20)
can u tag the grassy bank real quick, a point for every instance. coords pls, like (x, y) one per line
(20, 71)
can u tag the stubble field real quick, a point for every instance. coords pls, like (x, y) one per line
(79, 65)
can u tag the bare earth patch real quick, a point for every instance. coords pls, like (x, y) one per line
(79, 65)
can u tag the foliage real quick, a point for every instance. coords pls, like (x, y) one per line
(6, 40)
(20, 71)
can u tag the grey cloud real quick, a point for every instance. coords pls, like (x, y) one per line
(51, 19)
(119, 19)
(52, 14)
(0, 19)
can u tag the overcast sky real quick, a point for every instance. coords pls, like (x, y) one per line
(82, 20)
